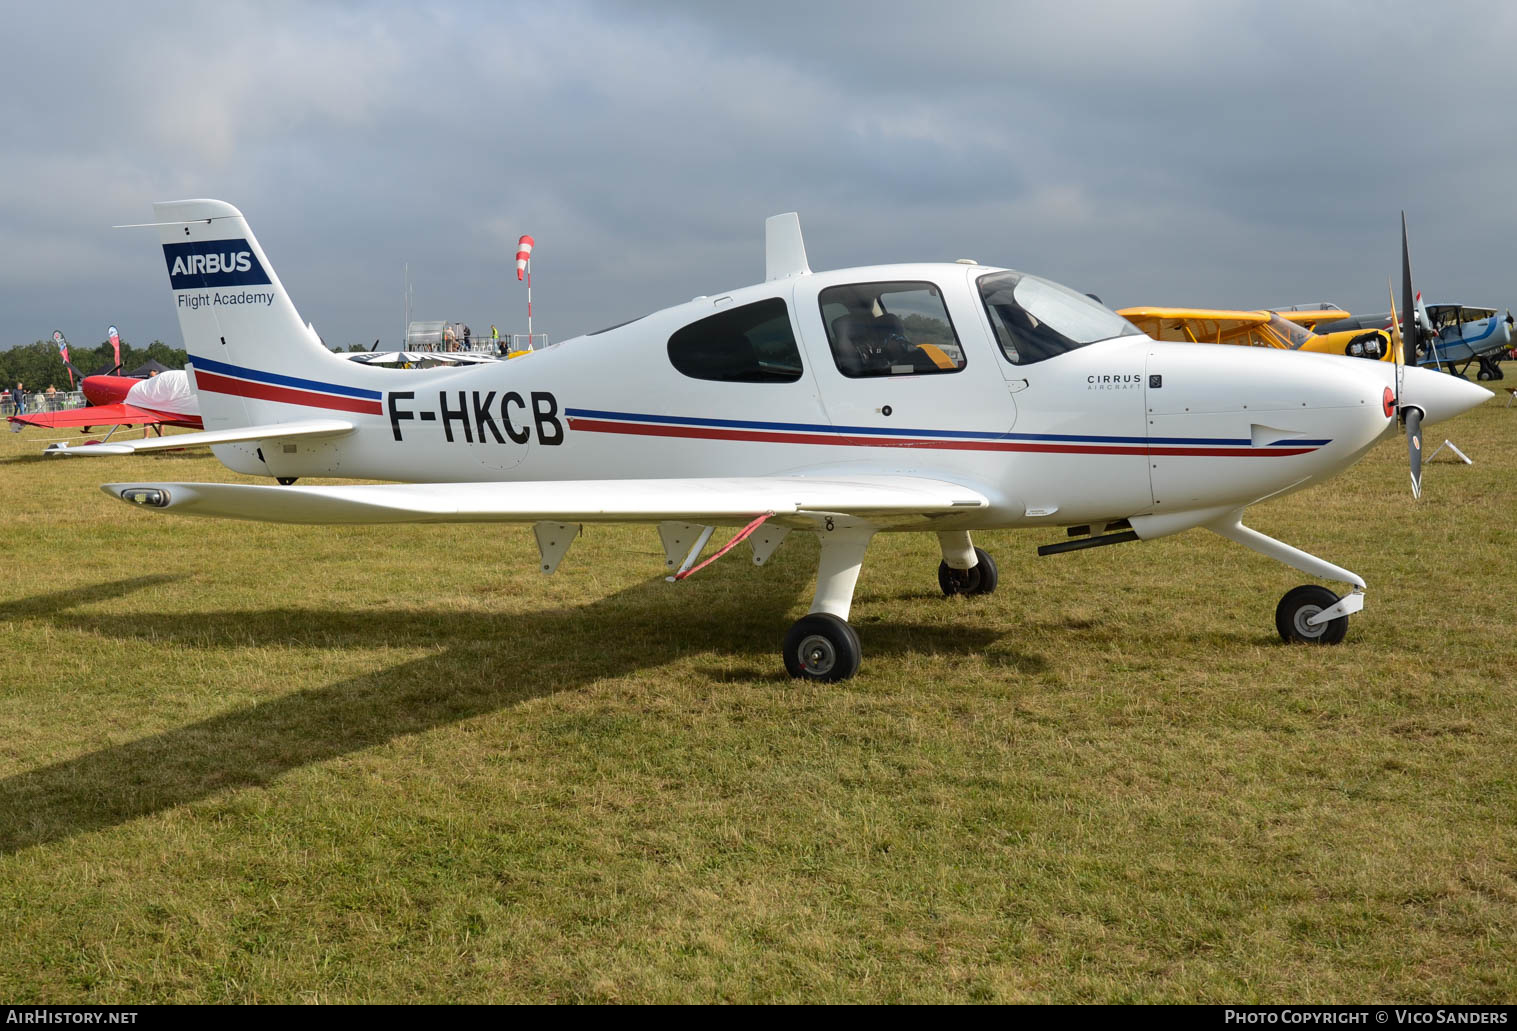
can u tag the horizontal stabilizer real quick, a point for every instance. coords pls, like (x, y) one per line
(243, 434)
(884, 500)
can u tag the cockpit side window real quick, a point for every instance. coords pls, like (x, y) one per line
(750, 344)
(1035, 319)
(890, 329)
(1444, 315)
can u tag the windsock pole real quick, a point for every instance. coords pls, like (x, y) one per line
(524, 264)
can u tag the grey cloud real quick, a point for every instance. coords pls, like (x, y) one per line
(1161, 153)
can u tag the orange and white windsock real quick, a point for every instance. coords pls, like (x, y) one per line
(523, 255)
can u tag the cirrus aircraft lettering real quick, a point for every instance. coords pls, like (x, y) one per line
(1118, 381)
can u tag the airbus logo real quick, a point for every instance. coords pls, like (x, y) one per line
(212, 263)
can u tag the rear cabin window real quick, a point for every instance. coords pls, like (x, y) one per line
(890, 329)
(751, 344)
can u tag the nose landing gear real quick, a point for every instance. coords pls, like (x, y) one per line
(1308, 614)
(1296, 617)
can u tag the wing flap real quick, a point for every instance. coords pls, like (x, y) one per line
(205, 438)
(885, 500)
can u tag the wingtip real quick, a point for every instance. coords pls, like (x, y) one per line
(93, 449)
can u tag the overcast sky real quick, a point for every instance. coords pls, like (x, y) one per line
(1206, 154)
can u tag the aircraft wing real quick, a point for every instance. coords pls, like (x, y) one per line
(883, 500)
(1464, 312)
(1195, 325)
(1311, 318)
(95, 415)
(273, 431)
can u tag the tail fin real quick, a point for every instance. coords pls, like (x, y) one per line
(243, 334)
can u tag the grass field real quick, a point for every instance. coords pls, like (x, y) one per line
(243, 762)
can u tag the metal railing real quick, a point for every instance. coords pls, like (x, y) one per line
(42, 402)
(485, 346)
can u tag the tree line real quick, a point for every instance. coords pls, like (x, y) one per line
(39, 364)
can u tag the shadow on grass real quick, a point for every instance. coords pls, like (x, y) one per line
(479, 667)
(176, 454)
(45, 605)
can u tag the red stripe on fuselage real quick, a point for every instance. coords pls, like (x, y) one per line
(268, 392)
(843, 440)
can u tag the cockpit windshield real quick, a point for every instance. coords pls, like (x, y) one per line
(1036, 318)
(1293, 335)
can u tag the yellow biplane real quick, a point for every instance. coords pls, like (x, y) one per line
(1288, 329)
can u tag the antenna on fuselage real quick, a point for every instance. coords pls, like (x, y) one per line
(784, 249)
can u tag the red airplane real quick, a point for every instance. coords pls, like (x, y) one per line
(159, 401)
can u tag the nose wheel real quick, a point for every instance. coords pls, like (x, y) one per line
(1294, 615)
(822, 647)
(981, 579)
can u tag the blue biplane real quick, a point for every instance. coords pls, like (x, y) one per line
(1451, 336)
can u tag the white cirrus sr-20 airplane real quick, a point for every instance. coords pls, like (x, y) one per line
(944, 398)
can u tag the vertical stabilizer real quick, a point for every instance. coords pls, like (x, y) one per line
(784, 249)
(254, 361)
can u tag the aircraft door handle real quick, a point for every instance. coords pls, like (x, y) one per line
(1015, 385)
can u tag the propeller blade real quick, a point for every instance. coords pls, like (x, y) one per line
(1410, 415)
(1408, 298)
(1396, 343)
(1414, 447)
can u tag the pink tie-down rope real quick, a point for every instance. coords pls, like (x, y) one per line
(742, 535)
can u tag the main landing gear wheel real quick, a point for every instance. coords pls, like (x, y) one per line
(1301, 604)
(822, 647)
(981, 579)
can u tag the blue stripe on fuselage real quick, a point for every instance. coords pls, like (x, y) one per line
(800, 427)
(258, 375)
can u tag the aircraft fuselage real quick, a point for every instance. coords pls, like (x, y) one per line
(1106, 431)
